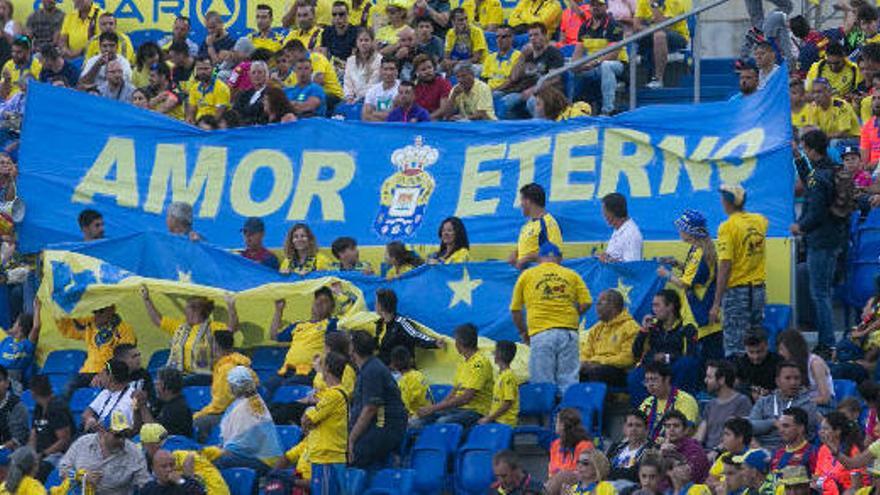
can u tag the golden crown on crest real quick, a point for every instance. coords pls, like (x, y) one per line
(414, 158)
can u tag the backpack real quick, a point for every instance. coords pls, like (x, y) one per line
(844, 202)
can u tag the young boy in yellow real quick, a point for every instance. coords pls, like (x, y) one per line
(413, 385)
(505, 395)
(326, 425)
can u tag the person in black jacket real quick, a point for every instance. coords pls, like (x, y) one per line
(393, 330)
(249, 104)
(824, 233)
(167, 480)
(626, 453)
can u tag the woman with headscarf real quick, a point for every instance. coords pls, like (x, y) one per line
(20, 476)
(696, 278)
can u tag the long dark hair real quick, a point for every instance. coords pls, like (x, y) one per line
(850, 431)
(796, 345)
(146, 51)
(460, 239)
(279, 105)
(399, 253)
(573, 431)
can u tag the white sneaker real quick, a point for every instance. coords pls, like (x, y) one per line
(654, 84)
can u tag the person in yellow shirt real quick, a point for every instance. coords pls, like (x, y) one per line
(101, 332)
(554, 298)
(606, 348)
(832, 115)
(396, 10)
(540, 228)
(741, 270)
(209, 96)
(298, 457)
(470, 99)
(656, 48)
(489, 15)
(301, 254)
(326, 427)
(21, 62)
(663, 398)
(107, 24)
(505, 394)
(78, 28)
(414, 390)
(263, 37)
(153, 438)
(471, 396)
(323, 72)
(735, 440)
(498, 65)
(454, 244)
(801, 113)
(400, 260)
(843, 75)
(528, 12)
(463, 42)
(21, 474)
(306, 30)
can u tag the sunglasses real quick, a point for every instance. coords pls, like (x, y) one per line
(338, 14)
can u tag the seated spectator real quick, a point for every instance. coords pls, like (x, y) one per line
(306, 97)
(793, 348)
(529, 13)
(592, 472)
(573, 18)
(471, 396)
(399, 259)
(167, 480)
(254, 230)
(305, 30)
(735, 440)
(297, 457)
(406, 110)
(78, 26)
(248, 433)
(218, 44)
(20, 475)
(414, 390)
(795, 480)
(795, 449)
(393, 330)
(379, 98)
(107, 24)
(94, 72)
(470, 99)
(249, 103)
(870, 393)
(115, 87)
(22, 62)
(850, 407)
(464, 42)
(207, 94)
(789, 393)
(676, 439)
(652, 475)
(386, 36)
(301, 254)
(403, 52)
(655, 49)
(426, 42)
(163, 95)
(833, 115)
(148, 55)
(348, 257)
(107, 459)
(681, 475)
(756, 369)
(626, 241)
(565, 451)
(664, 398)
(277, 109)
(801, 116)
(552, 105)
(18, 348)
(454, 244)
(323, 72)
(101, 332)
(664, 338)
(599, 32)
(498, 65)
(431, 88)
(153, 437)
(326, 425)
(170, 410)
(842, 75)
(838, 434)
(734, 480)
(56, 69)
(338, 40)
(140, 379)
(510, 478)
(756, 471)
(52, 428)
(538, 58)
(180, 32)
(626, 453)
(362, 68)
(505, 395)
(116, 397)
(728, 403)
(44, 24)
(183, 65)
(605, 350)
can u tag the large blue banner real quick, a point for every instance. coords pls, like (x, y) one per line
(378, 182)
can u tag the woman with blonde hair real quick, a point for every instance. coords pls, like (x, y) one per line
(301, 254)
(592, 470)
(551, 104)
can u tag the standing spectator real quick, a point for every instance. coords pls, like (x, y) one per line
(454, 245)
(254, 231)
(538, 58)
(362, 68)
(627, 452)
(91, 224)
(109, 463)
(626, 241)
(510, 478)
(78, 27)
(623, 11)
(301, 254)
(728, 403)
(94, 71)
(540, 228)
(552, 326)
(53, 428)
(326, 426)
(45, 23)
(171, 410)
(789, 393)
(664, 398)
(599, 32)
(339, 39)
(115, 87)
(741, 272)
(414, 391)
(167, 480)
(379, 99)
(824, 232)
(656, 48)
(20, 476)
(406, 109)
(676, 439)
(377, 417)
(529, 13)
(843, 76)
(565, 451)
(765, 59)
(117, 396)
(796, 449)
(22, 62)
(833, 115)
(101, 332)
(207, 94)
(487, 14)
(218, 44)
(505, 395)
(756, 369)
(470, 99)
(793, 348)
(606, 348)
(57, 70)
(431, 88)
(180, 33)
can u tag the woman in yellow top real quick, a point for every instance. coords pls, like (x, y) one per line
(454, 244)
(20, 478)
(592, 469)
(192, 339)
(148, 54)
(414, 390)
(400, 260)
(301, 254)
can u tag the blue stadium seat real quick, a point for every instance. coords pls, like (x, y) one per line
(197, 397)
(158, 361)
(777, 318)
(492, 437)
(439, 391)
(350, 111)
(392, 482)
(266, 375)
(81, 399)
(289, 435)
(589, 398)
(355, 481)
(444, 437)
(430, 456)
(241, 481)
(178, 442)
(64, 362)
(844, 389)
(267, 357)
(28, 400)
(536, 401)
(288, 394)
(59, 382)
(475, 472)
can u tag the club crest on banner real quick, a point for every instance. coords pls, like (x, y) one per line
(405, 194)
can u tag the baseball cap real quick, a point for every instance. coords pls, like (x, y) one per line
(755, 336)
(746, 64)
(757, 459)
(153, 433)
(239, 376)
(734, 193)
(549, 249)
(400, 4)
(849, 150)
(253, 225)
(116, 422)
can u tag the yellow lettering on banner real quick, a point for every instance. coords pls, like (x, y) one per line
(208, 177)
(327, 191)
(526, 152)
(472, 180)
(731, 172)
(614, 162)
(564, 164)
(282, 180)
(118, 153)
(697, 166)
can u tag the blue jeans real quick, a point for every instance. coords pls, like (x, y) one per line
(606, 73)
(820, 266)
(555, 358)
(742, 309)
(328, 479)
(233, 460)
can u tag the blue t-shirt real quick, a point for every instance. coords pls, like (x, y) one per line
(302, 93)
(16, 355)
(414, 114)
(376, 386)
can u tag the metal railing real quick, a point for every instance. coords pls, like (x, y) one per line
(623, 44)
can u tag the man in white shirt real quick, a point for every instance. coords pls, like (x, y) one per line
(379, 100)
(626, 241)
(95, 69)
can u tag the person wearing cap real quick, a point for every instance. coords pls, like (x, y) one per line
(851, 157)
(168, 480)
(154, 437)
(734, 477)
(842, 74)
(681, 475)
(107, 461)
(741, 270)
(748, 78)
(254, 231)
(605, 349)
(540, 228)
(833, 114)
(824, 232)
(554, 298)
(697, 279)
(626, 240)
(755, 468)
(598, 31)
(795, 480)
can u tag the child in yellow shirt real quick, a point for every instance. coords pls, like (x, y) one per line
(505, 395)
(414, 390)
(327, 427)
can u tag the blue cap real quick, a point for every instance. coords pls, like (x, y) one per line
(850, 150)
(692, 222)
(549, 249)
(757, 459)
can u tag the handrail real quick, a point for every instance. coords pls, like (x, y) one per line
(626, 41)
